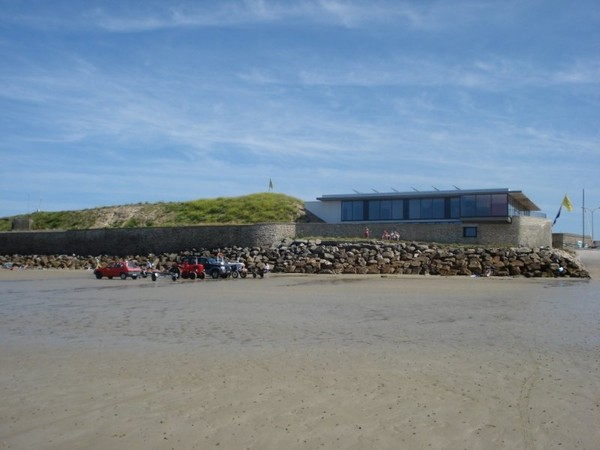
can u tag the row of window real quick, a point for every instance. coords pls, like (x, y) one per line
(478, 205)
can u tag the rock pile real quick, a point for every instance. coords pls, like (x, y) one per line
(378, 257)
(366, 257)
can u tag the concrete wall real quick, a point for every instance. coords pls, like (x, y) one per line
(131, 241)
(533, 231)
(563, 240)
(523, 231)
(329, 212)
(22, 224)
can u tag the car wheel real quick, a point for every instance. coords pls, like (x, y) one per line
(202, 275)
(135, 277)
(192, 275)
(235, 274)
(154, 277)
(123, 276)
(215, 274)
(243, 274)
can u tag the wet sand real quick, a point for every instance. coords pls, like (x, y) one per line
(299, 362)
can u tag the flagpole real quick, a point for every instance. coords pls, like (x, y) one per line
(583, 219)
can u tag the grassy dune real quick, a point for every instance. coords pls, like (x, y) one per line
(253, 208)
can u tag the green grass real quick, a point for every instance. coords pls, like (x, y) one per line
(253, 208)
(5, 225)
(66, 220)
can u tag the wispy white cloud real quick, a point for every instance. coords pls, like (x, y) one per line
(492, 74)
(129, 109)
(580, 72)
(131, 17)
(349, 14)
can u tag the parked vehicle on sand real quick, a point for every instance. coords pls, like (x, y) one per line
(155, 274)
(121, 269)
(189, 267)
(215, 267)
(238, 269)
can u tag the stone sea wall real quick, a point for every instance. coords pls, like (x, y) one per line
(520, 232)
(135, 241)
(364, 257)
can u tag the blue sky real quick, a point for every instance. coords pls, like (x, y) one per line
(116, 102)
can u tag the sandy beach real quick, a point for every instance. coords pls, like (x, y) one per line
(307, 362)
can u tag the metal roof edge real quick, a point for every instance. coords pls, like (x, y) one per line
(409, 194)
(516, 195)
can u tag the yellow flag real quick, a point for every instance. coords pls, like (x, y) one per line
(567, 203)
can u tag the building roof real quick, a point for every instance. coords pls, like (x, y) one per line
(517, 196)
(523, 200)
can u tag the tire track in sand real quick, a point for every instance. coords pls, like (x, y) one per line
(524, 398)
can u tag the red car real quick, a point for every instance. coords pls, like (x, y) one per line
(121, 269)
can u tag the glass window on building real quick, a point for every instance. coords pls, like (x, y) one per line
(470, 232)
(433, 208)
(468, 205)
(346, 211)
(499, 205)
(484, 205)
(374, 210)
(437, 208)
(414, 209)
(455, 208)
(385, 211)
(426, 208)
(358, 210)
(352, 210)
(514, 209)
(397, 209)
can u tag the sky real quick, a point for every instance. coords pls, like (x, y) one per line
(117, 102)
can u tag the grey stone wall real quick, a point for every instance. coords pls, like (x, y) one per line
(129, 241)
(523, 231)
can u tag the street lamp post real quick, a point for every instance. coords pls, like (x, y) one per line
(592, 211)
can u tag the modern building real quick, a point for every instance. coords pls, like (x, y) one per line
(483, 216)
